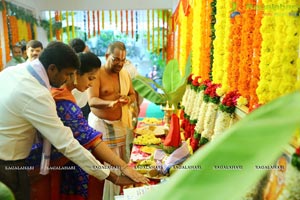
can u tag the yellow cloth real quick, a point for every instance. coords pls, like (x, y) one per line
(125, 83)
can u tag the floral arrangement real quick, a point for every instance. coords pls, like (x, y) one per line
(201, 114)
(211, 97)
(226, 110)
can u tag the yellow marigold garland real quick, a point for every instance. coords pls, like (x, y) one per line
(267, 52)
(183, 40)
(219, 49)
(196, 39)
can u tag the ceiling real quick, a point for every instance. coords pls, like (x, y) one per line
(43, 5)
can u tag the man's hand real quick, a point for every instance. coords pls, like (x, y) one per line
(134, 175)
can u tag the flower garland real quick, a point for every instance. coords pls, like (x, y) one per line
(116, 18)
(291, 43)
(163, 33)
(196, 39)
(227, 43)
(292, 178)
(103, 19)
(98, 22)
(235, 36)
(206, 39)
(202, 110)
(57, 31)
(182, 40)
(148, 30)
(211, 97)
(267, 52)
(197, 102)
(6, 32)
(51, 28)
(22, 30)
(60, 28)
(94, 24)
(255, 73)
(246, 54)
(158, 33)
(88, 24)
(218, 69)
(153, 30)
(136, 26)
(121, 18)
(170, 37)
(67, 24)
(131, 19)
(110, 17)
(226, 111)
(14, 30)
(213, 35)
(126, 20)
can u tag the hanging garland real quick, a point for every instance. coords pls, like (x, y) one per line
(291, 43)
(73, 25)
(57, 31)
(153, 30)
(190, 18)
(136, 26)
(110, 17)
(196, 39)
(182, 40)
(126, 18)
(163, 33)
(98, 22)
(158, 33)
(131, 20)
(88, 24)
(246, 53)
(22, 30)
(267, 52)
(94, 23)
(103, 18)
(213, 35)
(60, 28)
(50, 27)
(116, 18)
(67, 26)
(170, 37)
(255, 73)
(121, 16)
(148, 30)
(218, 44)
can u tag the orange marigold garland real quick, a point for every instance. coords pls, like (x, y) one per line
(246, 53)
(131, 20)
(126, 17)
(235, 36)
(57, 31)
(88, 24)
(121, 16)
(14, 30)
(255, 73)
(94, 23)
(98, 22)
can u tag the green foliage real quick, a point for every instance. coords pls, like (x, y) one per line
(256, 140)
(173, 85)
(21, 13)
(5, 192)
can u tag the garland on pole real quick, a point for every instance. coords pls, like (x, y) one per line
(116, 18)
(148, 30)
(94, 23)
(153, 30)
(98, 22)
(136, 26)
(121, 16)
(158, 32)
(73, 25)
(88, 24)
(163, 33)
(131, 20)
(57, 31)
(110, 17)
(103, 18)
(51, 27)
(126, 18)
(67, 26)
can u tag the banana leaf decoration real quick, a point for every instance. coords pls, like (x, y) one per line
(172, 88)
(256, 140)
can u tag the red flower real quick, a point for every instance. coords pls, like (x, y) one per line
(298, 151)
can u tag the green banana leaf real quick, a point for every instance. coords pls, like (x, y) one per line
(171, 76)
(5, 192)
(256, 140)
(172, 89)
(143, 86)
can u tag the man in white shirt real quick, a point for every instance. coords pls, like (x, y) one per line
(26, 104)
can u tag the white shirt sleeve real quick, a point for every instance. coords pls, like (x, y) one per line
(41, 113)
